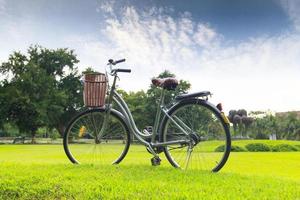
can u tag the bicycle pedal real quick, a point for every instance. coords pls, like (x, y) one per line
(155, 161)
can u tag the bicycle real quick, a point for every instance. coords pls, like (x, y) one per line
(192, 133)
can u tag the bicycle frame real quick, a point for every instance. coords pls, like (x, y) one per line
(128, 118)
(178, 128)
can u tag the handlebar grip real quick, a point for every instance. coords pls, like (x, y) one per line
(123, 70)
(119, 61)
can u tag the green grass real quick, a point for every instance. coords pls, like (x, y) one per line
(43, 172)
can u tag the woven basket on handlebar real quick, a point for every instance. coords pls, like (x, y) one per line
(94, 91)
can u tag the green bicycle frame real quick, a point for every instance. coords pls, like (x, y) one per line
(127, 116)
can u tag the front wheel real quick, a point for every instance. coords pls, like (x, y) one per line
(86, 143)
(205, 130)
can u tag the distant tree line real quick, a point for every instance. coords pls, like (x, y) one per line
(262, 125)
(40, 91)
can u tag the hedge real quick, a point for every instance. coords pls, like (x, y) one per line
(284, 148)
(258, 147)
(261, 147)
(234, 148)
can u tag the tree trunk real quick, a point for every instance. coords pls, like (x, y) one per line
(61, 129)
(234, 128)
(298, 136)
(33, 137)
(47, 133)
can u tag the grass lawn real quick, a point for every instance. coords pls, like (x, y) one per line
(43, 172)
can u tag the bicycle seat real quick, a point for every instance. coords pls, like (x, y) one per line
(165, 83)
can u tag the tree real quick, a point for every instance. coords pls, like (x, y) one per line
(235, 119)
(292, 126)
(3, 107)
(262, 127)
(286, 126)
(44, 90)
(241, 121)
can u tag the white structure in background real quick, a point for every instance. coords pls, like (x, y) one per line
(262, 114)
(272, 137)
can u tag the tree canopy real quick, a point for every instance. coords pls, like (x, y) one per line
(41, 88)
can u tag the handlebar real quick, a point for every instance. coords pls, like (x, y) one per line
(114, 71)
(121, 70)
(112, 62)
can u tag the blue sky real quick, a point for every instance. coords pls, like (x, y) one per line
(246, 52)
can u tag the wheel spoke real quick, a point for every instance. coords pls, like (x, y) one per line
(205, 123)
(83, 146)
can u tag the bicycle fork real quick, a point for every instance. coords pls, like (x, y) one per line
(104, 126)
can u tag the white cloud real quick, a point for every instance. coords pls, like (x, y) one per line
(261, 73)
(107, 7)
(292, 8)
(157, 42)
(151, 42)
(204, 35)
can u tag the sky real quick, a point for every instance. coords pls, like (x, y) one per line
(247, 53)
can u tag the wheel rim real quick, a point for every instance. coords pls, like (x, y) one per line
(207, 125)
(84, 145)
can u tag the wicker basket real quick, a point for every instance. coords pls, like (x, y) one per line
(94, 91)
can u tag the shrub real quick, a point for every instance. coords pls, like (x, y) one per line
(54, 135)
(257, 147)
(298, 146)
(234, 148)
(284, 148)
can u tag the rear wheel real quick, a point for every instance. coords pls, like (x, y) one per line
(84, 144)
(208, 140)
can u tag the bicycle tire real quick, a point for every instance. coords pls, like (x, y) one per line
(79, 154)
(206, 151)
